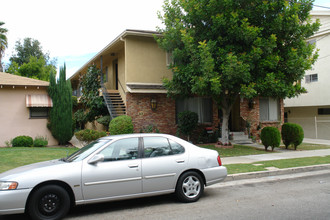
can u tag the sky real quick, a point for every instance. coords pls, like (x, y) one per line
(73, 31)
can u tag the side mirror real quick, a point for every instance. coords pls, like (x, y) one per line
(97, 158)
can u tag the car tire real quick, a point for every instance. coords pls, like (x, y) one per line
(50, 202)
(189, 187)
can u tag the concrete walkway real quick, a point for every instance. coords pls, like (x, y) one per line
(274, 156)
(282, 153)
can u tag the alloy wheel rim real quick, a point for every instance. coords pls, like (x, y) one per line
(191, 187)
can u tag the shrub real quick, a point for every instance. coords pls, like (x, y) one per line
(89, 135)
(22, 141)
(80, 119)
(270, 136)
(40, 141)
(104, 120)
(187, 122)
(121, 125)
(149, 129)
(292, 134)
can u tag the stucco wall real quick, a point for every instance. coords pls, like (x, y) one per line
(318, 93)
(145, 61)
(15, 117)
(314, 125)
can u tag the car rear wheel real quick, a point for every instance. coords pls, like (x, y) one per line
(189, 187)
(50, 202)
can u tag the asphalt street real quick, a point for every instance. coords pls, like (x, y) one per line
(293, 196)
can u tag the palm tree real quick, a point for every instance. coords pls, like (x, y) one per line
(3, 42)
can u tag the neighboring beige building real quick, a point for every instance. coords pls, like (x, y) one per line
(312, 110)
(24, 107)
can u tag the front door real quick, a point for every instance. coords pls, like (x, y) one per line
(118, 175)
(115, 71)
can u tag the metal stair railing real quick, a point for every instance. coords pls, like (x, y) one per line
(107, 100)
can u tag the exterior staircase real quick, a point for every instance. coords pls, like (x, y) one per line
(114, 102)
(240, 138)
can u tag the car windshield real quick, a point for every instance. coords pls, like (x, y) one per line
(85, 151)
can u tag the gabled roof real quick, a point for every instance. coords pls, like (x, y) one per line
(7, 79)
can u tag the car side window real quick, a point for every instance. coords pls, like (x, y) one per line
(176, 148)
(156, 147)
(160, 146)
(125, 149)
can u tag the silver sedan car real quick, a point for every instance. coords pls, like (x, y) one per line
(111, 168)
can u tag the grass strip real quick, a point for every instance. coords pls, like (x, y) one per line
(281, 164)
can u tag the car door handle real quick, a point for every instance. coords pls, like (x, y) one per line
(133, 165)
(180, 161)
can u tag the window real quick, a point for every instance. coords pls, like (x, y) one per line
(202, 106)
(269, 109)
(169, 58)
(323, 111)
(313, 41)
(311, 78)
(39, 112)
(159, 146)
(125, 149)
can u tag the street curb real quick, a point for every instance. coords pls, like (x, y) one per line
(260, 174)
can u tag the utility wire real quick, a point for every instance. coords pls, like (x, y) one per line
(321, 6)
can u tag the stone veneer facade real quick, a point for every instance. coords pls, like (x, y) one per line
(164, 117)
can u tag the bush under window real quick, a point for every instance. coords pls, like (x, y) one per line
(270, 137)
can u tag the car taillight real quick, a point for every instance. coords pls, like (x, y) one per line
(219, 161)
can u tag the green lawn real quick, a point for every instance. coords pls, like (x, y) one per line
(18, 156)
(286, 163)
(305, 146)
(237, 150)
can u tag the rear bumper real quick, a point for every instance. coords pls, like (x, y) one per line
(13, 201)
(215, 175)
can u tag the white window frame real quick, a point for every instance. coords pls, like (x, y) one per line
(269, 109)
(311, 78)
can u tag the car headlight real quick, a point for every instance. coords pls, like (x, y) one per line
(8, 185)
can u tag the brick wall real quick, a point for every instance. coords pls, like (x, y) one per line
(139, 108)
(252, 115)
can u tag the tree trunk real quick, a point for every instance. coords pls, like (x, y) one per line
(224, 127)
(1, 69)
(226, 104)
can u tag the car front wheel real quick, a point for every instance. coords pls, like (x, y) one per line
(190, 187)
(50, 202)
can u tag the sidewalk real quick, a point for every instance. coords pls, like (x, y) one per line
(274, 156)
(282, 153)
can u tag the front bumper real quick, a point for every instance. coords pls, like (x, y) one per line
(13, 201)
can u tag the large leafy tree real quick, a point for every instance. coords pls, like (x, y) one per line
(230, 48)
(3, 43)
(60, 119)
(30, 61)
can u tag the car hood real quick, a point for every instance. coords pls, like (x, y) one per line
(25, 170)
